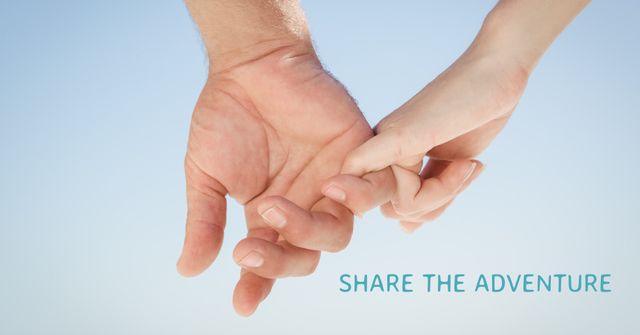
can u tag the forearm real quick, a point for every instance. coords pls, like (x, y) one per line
(521, 30)
(236, 31)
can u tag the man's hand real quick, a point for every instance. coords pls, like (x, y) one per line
(264, 130)
(269, 126)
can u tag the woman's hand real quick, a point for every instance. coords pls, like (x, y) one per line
(451, 120)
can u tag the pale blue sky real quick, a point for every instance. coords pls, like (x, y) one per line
(95, 101)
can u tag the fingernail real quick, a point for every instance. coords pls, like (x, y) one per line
(252, 260)
(274, 217)
(472, 167)
(466, 177)
(335, 193)
(394, 205)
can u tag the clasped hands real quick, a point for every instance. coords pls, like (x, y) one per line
(273, 130)
(282, 137)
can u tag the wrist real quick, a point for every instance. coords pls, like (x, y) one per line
(238, 31)
(227, 57)
(494, 62)
(502, 40)
(521, 31)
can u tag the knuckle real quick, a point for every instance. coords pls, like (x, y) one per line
(342, 240)
(314, 260)
(297, 235)
(352, 163)
(388, 124)
(365, 200)
(280, 269)
(383, 179)
(397, 137)
(404, 142)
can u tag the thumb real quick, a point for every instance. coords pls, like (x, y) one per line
(386, 148)
(206, 219)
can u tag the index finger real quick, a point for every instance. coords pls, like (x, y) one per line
(361, 194)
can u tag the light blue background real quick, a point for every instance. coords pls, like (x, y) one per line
(95, 101)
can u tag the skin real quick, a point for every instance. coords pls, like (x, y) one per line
(270, 125)
(453, 119)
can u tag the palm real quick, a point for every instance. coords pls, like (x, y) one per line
(279, 125)
(276, 126)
